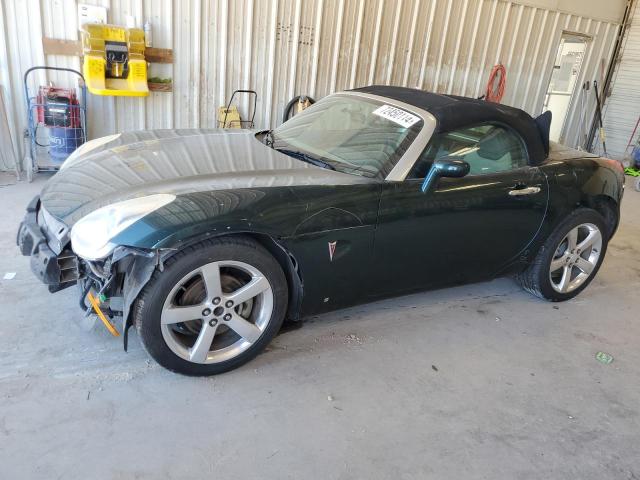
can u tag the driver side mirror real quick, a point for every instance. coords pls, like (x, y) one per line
(445, 167)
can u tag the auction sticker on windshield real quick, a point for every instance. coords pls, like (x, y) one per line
(396, 115)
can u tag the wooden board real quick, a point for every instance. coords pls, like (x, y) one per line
(158, 55)
(160, 87)
(54, 46)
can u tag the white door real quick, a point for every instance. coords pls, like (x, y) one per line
(564, 79)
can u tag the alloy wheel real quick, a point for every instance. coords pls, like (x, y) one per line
(217, 311)
(575, 258)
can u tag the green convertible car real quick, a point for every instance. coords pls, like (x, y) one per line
(206, 240)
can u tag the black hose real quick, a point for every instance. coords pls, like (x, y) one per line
(35, 137)
(292, 102)
(83, 295)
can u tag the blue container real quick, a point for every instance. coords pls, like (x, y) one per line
(635, 154)
(63, 141)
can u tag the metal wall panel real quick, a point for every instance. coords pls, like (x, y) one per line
(282, 48)
(623, 107)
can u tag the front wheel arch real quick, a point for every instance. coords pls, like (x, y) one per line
(142, 268)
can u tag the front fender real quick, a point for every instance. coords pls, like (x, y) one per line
(272, 211)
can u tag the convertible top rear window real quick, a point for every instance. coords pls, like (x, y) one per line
(354, 135)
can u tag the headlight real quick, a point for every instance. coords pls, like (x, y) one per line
(91, 236)
(86, 148)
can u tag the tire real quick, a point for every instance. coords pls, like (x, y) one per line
(540, 280)
(181, 290)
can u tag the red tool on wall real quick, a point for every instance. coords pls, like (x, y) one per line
(496, 84)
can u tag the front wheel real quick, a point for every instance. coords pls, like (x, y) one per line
(569, 259)
(214, 307)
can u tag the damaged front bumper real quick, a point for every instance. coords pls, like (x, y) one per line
(58, 268)
(116, 280)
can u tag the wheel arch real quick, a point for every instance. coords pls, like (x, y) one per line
(140, 268)
(607, 207)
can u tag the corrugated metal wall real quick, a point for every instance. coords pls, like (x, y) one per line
(281, 48)
(623, 106)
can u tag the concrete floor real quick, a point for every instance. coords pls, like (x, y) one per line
(481, 381)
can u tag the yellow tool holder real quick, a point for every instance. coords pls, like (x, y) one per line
(114, 62)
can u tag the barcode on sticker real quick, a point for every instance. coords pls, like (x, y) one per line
(396, 115)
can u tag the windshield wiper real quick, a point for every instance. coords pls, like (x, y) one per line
(306, 158)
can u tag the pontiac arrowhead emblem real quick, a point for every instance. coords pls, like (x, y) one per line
(332, 250)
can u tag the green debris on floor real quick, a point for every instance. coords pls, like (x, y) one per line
(632, 172)
(604, 358)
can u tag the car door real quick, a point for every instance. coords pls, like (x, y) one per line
(333, 245)
(467, 228)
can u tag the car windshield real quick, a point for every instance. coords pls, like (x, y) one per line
(349, 134)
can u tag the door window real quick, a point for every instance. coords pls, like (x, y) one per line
(486, 148)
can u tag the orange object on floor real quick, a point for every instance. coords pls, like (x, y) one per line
(96, 308)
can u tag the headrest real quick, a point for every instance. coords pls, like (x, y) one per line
(543, 122)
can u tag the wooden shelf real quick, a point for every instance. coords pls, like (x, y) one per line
(54, 46)
(158, 55)
(160, 87)
(73, 48)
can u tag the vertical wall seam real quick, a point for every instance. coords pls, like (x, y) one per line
(271, 65)
(356, 50)
(535, 59)
(248, 57)
(316, 48)
(376, 41)
(472, 43)
(427, 42)
(223, 12)
(394, 41)
(503, 30)
(456, 51)
(443, 42)
(545, 74)
(197, 61)
(523, 53)
(294, 50)
(336, 47)
(412, 39)
(485, 49)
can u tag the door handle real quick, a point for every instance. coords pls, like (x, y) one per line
(524, 191)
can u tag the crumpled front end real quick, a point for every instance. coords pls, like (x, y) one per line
(114, 282)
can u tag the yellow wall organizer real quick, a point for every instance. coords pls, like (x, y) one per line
(114, 62)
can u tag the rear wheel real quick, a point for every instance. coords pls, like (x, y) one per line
(569, 259)
(214, 307)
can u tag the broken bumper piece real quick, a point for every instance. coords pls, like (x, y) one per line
(58, 271)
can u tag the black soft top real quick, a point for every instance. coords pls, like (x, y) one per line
(453, 112)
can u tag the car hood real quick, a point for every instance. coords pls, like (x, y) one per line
(180, 162)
